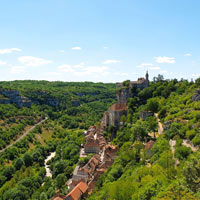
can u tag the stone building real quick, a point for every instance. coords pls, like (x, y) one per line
(113, 115)
(79, 175)
(140, 83)
(92, 146)
(125, 91)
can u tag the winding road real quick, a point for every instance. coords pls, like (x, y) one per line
(22, 136)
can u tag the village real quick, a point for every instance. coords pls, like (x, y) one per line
(84, 177)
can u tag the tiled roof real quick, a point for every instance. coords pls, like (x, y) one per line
(149, 144)
(139, 81)
(58, 197)
(78, 191)
(119, 107)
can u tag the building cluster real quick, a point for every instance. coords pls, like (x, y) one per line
(84, 177)
(112, 117)
(140, 83)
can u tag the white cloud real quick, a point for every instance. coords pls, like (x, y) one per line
(62, 51)
(188, 54)
(144, 65)
(164, 59)
(121, 74)
(2, 62)
(154, 68)
(65, 68)
(105, 47)
(95, 69)
(82, 70)
(165, 72)
(5, 51)
(76, 48)
(53, 74)
(33, 61)
(17, 70)
(111, 61)
(196, 75)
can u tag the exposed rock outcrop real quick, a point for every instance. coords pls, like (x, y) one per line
(12, 96)
(196, 96)
(145, 114)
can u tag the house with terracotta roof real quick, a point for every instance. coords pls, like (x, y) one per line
(58, 197)
(92, 146)
(149, 146)
(79, 175)
(77, 192)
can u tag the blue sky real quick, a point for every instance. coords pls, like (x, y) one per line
(99, 40)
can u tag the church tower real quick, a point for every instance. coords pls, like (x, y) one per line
(147, 79)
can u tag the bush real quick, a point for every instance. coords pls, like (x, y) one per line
(182, 152)
(196, 140)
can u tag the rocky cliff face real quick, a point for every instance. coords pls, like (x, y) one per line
(196, 96)
(123, 94)
(14, 97)
(43, 97)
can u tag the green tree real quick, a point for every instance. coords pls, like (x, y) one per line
(191, 172)
(8, 172)
(139, 131)
(59, 167)
(28, 159)
(18, 163)
(152, 124)
(182, 152)
(152, 105)
(60, 181)
(43, 196)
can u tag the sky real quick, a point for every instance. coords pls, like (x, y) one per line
(99, 40)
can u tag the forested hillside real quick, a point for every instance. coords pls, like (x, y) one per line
(158, 154)
(67, 110)
(158, 163)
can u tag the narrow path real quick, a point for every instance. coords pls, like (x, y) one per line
(172, 144)
(48, 171)
(160, 126)
(189, 144)
(22, 136)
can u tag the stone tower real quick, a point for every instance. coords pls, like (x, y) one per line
(147, 79)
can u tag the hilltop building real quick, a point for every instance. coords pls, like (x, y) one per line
(140, 83)
(113, 115)
(124, 91)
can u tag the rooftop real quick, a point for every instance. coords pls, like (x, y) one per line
(149, 144)
(77, 192)
(119, 107)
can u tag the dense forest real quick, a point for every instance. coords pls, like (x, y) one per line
(170, 169)
(67, 110)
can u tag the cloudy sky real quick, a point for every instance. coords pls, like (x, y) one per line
(99, 40)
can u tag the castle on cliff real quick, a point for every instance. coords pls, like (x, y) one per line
(124, 90)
